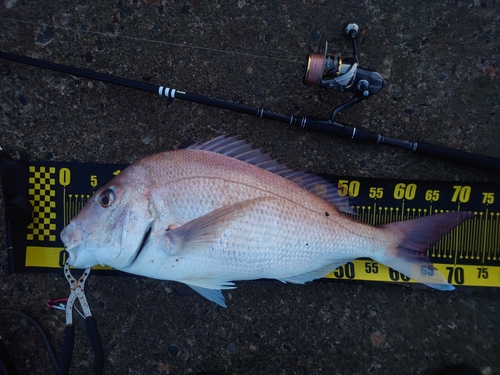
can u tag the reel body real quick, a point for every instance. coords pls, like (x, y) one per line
(344, 75)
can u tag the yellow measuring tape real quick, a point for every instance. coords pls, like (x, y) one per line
(468, 256)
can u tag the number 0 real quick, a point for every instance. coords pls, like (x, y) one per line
(64, 176)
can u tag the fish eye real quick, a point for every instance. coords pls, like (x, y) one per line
(107, 197)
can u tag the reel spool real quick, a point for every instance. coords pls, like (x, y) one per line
(332, 72)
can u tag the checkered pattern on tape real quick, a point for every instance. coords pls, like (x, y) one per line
(41, 192)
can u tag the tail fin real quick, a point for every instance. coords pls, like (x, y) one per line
(415, 237)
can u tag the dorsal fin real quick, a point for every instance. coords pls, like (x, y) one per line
(241, 150)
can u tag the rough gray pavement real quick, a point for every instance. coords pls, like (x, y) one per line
(442, 63)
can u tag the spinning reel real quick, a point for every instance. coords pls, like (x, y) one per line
(345, 75)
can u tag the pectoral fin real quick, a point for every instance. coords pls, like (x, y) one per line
(203, 231)
(200, 234)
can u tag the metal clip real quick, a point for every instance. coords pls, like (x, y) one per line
(59, 304)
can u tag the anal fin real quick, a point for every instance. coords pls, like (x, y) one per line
(315, 274)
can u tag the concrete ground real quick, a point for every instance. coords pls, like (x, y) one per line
(442, 63)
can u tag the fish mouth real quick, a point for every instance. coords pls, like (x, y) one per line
(73, 239)
(72, 236)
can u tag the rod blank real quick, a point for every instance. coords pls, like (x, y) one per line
(326, 126)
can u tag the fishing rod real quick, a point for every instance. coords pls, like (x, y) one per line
(325, 70)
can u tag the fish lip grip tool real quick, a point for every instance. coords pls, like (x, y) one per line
(77, 292)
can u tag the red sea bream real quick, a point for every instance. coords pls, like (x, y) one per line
(221, 211)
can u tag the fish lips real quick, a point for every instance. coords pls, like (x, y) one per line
(74, 240)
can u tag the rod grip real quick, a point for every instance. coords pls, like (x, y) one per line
(457, 156)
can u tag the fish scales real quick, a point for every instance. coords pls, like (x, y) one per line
(273, 220)
(295, 220)
(207, 219)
